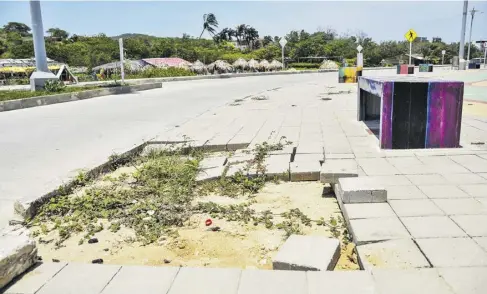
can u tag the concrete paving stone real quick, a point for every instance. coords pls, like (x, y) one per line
(240, 158)
(443, 164)
(206, 281)
(272, 282)
(460, 206)
(443, 191)
(483, 175)
(432, 227)
(307, 253)
(80, 278)
(17, 254)
(453, 252)
(410, 281)
(391, 180)
(475, 190)
(377, 229)
(278, 165)
(210, 174)
(468, 280)
(415, 207)
(142, 279)
(423, 180)
(360, 190)
(343, 282)
(305, 171)
(390, 254)
(212, 162)
(240, 141)
(319, 157)
(473, 163)
(333, 169)
(35, 278)
(473, 225)
(404, 161)
(339, 156)
(368, 210)
(377, 166)
(421, 169)
(288, 150)
(404, 193)
(308, 148)
(482, 241)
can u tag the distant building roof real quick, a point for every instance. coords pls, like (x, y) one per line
(24, 62)
(131, 64)
(170, 62)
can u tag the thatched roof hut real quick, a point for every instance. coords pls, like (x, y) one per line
(275, 65)
(241, 64)
(219, 67)
(185, 65)
(253, 65)
(198, 67)
(264, 65)
(329, 64)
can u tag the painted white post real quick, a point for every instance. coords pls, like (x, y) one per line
(122, 72)
(283, 43)
(485, 55)
(443, 56)
(360, 57)
(410, 51)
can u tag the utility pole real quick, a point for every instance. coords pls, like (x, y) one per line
(473, 11)
(461, 53)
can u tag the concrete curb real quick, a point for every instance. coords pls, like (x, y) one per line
(74, 96)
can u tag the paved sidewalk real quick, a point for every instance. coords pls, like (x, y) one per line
(62, 278)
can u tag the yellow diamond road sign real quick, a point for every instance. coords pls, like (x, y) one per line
(410, 35)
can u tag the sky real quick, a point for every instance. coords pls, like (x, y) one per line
(380, 20)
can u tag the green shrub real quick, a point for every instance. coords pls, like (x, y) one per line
(53, 86)
(304, 65)
(156, 73)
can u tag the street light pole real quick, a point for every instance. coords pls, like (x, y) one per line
(42, 73)
(461, 53)
(470, 35)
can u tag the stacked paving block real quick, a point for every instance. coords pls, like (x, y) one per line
(349, 74)
(404, 69)
(414, 112)
(425, 68)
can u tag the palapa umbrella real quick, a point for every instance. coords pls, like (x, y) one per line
(253, 65)
(198, 67)
(219, 67)
(328, 64)
(241, 64)
(275, 65)
(264, 65)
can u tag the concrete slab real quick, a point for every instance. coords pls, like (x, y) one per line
(469, 280)
(404, 193)
(212, 162)
(475, 190)
(473, 225)
(399, 254)
(305, 170)
(17, 254)
(391, 180)
(410, 281)
(80, 278)
(307, 253)
(35, 278)
(460, 206)
(368, 210)
(210, 174)
(464, 178)
(333, 169)
(142, 279)
(377, 166)
(377, 229)
(343, 282)
(443, 191)
(453, 252)
(423, 180)
(432, 227)
(206, 281)
(278, 165)
(360, 190)
(482, 241)
(415, 207)
(266, 282)
(473, 163)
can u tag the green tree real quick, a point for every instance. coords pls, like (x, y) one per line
(58, 33)
(17, 27)
(267, 40)
(210, 24)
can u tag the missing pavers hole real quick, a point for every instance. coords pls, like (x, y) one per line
(325, 98)
(478, 143)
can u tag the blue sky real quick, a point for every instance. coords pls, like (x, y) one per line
(382, 20)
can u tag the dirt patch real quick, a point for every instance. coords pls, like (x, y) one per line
(474, 108)
(480, 84)
(236, 244)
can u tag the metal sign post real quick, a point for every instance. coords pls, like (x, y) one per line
(443, 52)
(283, 43)
(360, 58)
(410, 36)
(122, 72)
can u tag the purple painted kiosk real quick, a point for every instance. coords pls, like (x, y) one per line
(413, 112)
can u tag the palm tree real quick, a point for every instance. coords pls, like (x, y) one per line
(209, 24)
(251, 35)
(240, 32)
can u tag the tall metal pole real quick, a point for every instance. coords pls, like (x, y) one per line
(470, 35)
(410, 51)
(461, 52)
(42, 73)
(122, 71)
(38, 36)
(283, 58)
